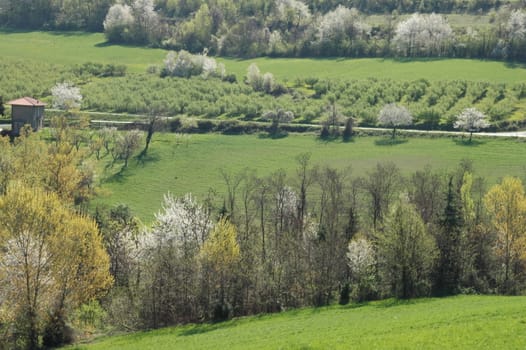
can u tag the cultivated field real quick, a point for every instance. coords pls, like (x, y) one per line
(465, 322)
(194, 166)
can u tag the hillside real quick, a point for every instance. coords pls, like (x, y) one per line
(464, 322)
(194, 166)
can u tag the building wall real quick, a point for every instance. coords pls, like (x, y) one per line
(22, 115)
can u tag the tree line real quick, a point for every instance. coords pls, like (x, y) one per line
(290, 28)
(257, 244)
(314, 237)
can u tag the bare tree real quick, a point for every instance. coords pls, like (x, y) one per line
(382, 185)
(126, 145)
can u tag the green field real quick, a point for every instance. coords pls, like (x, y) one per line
(464, 322)
(196, 167)
(68, 48)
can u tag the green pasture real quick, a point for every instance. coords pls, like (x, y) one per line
(69, 48)
(463, 322)
(403, 69)
(194, 167)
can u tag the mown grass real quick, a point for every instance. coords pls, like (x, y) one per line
(68, 48)
(396, 69)
(463, 322)
(195, 167)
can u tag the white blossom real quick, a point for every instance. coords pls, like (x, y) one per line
(471, 120)
(66, 96)
(423, 34)
(516, 25)
(341, 22)
(118, 16)
(293, 11)
(360, 257)
(392, 115)
(182, 224)
(184, 64)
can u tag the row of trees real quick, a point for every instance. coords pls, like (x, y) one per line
(288, 28)
(312, 238)
(90, 14)
(284, 27)
(433, 104)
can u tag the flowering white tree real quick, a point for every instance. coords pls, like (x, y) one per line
(118, 22)
(170, 254)
(254, 77)
(339, 23)
(423, 34)
(66, 96)
(146, 19)
(471, 120)
(516, 26)
(182, 224)
(184, 64)
(293, 12)
(394, 116)
(361, 260)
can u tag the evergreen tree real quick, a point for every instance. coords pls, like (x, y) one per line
(449, 242)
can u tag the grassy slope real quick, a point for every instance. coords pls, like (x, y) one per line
(73, 48)
(195, 168)
(464, 322)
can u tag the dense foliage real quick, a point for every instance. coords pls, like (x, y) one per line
(287, 27)
(52, 259)
(315, 237)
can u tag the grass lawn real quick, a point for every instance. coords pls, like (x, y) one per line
(68, 48)
(380, 68)
(196, 167)
(463, 322)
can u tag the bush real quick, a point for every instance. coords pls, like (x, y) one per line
(344, 294)
(56, 332)
(325, 133)
(222, 312)
(205, 126)
(175, 125)
(348, 131)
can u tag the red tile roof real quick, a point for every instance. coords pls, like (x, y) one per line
(26, 101)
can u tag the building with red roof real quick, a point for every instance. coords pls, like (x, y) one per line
(26, 110)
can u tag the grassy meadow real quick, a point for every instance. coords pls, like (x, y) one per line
(195, 166)
(69, 48)
(464, 322)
